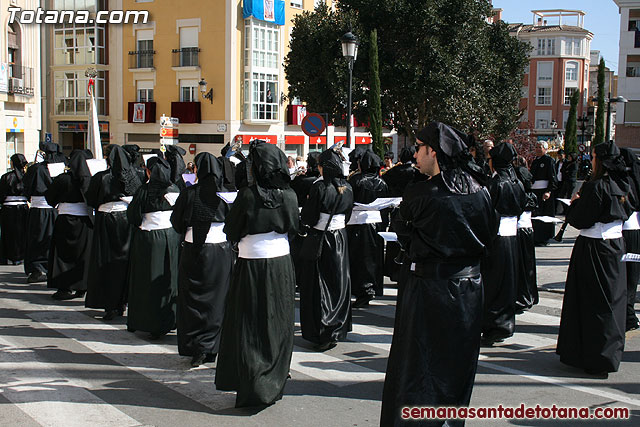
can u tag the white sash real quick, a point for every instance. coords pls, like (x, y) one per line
(508, 226)
(337, 222)
(39, 202)
(364, 217)
(15, 200)
(159, 220)
(263, 245)
(541, 184)
(75, 209)
(610, 230)
(215, 234)
(632, 223)
(525, 220)
(117, 206)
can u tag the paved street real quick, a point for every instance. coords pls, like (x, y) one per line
(61, 366)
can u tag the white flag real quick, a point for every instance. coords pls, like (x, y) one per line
(93, 136)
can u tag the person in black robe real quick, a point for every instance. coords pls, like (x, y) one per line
(366, 247)
(153, 265)
(631, 233)
(14, 213)
(592, 324)
(544, 186)
(325, 290)
(72, 231)
(42, 216)
(206, 261)
(135, 160)
(228, 167)
(499, 268)
(445, 225)
(257, 330)
(107, 279)
(569, 176)
(173, 155)
(527, 283)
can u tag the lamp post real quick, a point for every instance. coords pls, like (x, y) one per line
(583, 126)
(203, 90)
(350, 53)
(610, 101)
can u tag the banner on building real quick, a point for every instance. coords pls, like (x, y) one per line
(264, 10)
(4, 77)
(139, 113)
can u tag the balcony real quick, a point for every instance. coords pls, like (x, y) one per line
(185, 57)
(141, 112)
(21, 80)
(186, 112)
(141, 59)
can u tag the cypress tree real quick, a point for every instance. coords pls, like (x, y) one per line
(571, 135)
(375, 106)
(601, 113)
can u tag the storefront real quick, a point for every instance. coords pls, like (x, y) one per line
(73, 135)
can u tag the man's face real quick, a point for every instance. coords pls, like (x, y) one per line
(426, 160)
(487, 145)
(388, 162)
(540, 151)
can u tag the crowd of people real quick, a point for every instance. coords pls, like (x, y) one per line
(221, 259)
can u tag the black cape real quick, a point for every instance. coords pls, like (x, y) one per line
(527, 288)
(543, 168)
(13, 218)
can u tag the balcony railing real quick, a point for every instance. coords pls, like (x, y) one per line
(141, 59)
(185, 57)
(21, 80)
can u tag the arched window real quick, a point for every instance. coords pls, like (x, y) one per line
(571, 71)
(13, 51)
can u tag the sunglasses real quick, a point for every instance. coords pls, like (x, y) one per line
(417, 146)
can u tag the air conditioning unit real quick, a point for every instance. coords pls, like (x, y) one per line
(16, 85)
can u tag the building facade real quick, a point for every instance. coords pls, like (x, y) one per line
(20, 85)
(558, 67)
(628, 114)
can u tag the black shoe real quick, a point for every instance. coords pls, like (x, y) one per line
(211, 357)
(111, 314)
(362, 302)
(37, 276)
(326, 346)
(198, 360)
(79, 294)
(63, 295)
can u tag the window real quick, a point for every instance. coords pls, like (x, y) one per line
(13, 51)
(543, 119)
(144, 46)
(546, 47)
(188, 91)
(565, 118)
(188, 46)
(145, 91)
(634, 24)
(571, 72)
(544, 96)
(296, 3)
(524, 92)
(573, 46)
(632, 112)
(262, 70)
(633, 69)
(568, 93)
(545, 71)
(71, 96)
(76, 44)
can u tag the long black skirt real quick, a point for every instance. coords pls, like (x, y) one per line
(13, 220)
(40, 225)
(500, 287)
(632, 245)
(543, 231)
(592, 324)
(366, 260)
(325, 292)
(69, 253)
(203, 283)
(257, 331)
(107, 279)
(153, 279)
(436, 343)
(527, 287)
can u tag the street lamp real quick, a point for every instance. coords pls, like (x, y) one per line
(583, 126)
(554, 126)
(350, 53)
(203, 90)
(614, 100)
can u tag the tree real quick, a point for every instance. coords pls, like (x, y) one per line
(600, 113)
(571, 134)
(374, 105)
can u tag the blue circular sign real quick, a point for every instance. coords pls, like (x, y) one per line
(313, 124)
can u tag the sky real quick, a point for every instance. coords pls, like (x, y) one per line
(602, 19)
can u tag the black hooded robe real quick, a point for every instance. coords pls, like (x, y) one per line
(527, 288)
(543, 171)
(14, 213)
(205, 268)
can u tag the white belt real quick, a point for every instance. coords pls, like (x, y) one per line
(525, 220)
(76, 209)
(610, 230)
(364, 217)
(508, 226)
(15, 200)
(263, 245)
(541, 184)
(159, 220)
(215, 234)
(39, 202)
(337, 222)
(632, 223)
(117, 206)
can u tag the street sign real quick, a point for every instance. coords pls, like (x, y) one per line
(48, 137)
(582, 148)
(313, 125)
(169, 132)
(168, 122)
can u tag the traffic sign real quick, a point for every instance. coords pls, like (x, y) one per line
(169, 132)
(169, 122)
(582, 148)
(48, 137)
(313, 125)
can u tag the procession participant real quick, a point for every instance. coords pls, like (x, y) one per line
(174, 158)
(569, 176)
(107, 278)
(592, 324)
(257, 330)
(445, 224)
(72, 231)
(366, 247)
(153, 265)
(499, 268)
(42, 216)
(631, 233)
(228, 168)
(387, 161)
(544, 184)
(325, 290)
(302, 183)
(206, 260)
(559, 169)
(527, 288)
(14, 213)
(133, 153)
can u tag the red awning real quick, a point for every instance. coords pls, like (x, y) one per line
(363, 140)
(271, 139)
(294, 139)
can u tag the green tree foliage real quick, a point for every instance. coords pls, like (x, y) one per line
(601, 112)
(571, 134)
(374, 104)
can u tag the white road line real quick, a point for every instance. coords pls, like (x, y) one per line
(538, 319)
